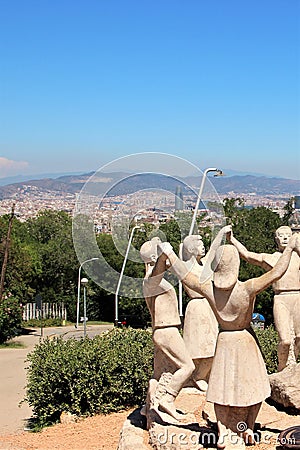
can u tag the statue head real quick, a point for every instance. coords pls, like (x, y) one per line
(148, 251)
(226, 266)
(193, 246)
(282, 237)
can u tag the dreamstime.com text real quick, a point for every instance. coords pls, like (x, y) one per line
(194, 439)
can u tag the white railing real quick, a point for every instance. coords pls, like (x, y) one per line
(49, 310)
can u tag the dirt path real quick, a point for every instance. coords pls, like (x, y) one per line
(13, 418)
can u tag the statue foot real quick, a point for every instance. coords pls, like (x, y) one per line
(248, 437)
(222, 434)
(168, 406)
(202, 385)
(221, 442)
(143, 411)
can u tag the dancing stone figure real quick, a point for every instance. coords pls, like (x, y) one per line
(286, 307)
(201, 329)
(238, 381)
(162, 302)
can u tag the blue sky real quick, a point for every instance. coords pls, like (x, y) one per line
(214, 81)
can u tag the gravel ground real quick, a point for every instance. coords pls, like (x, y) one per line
(102, 432)
(99, 432)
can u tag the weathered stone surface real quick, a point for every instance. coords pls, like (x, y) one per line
(132, 433)
(201, 430)
(67, 417)
(166, 433)
(285, 387)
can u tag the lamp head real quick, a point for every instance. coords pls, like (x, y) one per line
(219, 173)
(84, 281)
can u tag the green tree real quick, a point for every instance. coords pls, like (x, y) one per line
(288, 211)
(255, 228)
(21, 262)
(51, 239)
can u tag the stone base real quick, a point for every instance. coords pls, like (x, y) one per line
(132, 435)
(200, 428)
(285, 387)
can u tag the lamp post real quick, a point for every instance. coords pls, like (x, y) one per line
(84, 281)
(121, 275)
(219, 172)
(210, 169)
(78, 288)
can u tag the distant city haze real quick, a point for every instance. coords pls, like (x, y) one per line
(111, 190)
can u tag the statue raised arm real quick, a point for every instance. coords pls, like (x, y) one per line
(286, 307)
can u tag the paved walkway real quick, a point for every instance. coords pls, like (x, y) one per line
(13, 418)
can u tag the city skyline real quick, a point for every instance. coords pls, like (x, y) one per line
(85, 83)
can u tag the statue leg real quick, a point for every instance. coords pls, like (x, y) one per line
(283, 326)
(201, 372)
(150, 401)
(297, 346)
(296, 318)
(172, 345)
(235, 419)
(222, 415)
(248, 435)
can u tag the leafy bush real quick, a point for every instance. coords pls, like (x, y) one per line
(268, 340)
(36, 323)
(104, 374)
(10, 318)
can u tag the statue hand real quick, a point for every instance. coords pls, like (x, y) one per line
(293, 241)
(297, 243)
(164, 247)
(228, 231)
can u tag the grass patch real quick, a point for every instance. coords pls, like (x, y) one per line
(97, 322)
(12, 344)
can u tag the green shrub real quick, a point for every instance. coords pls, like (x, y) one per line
(10, 318)
(104, 374)
(268, 340)
(36, 323)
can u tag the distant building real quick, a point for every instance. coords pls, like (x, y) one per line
(179, 204)
(295, 219)
(297, 202)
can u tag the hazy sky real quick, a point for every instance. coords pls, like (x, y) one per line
(83, 82)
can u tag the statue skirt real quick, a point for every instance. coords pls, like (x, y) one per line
(200, 329)
(238, 375)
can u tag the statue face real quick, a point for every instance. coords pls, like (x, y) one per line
(197, 247)
(283, 235)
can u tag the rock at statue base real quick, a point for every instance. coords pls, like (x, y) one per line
(166, 433)
(285, 387)
(193, 433)
(67, 417)
(132, 433)
(201, 431)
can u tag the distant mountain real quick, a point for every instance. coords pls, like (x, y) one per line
(117, 183)
(23, 178)
(258, 185)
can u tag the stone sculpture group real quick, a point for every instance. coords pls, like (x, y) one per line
(218, 349)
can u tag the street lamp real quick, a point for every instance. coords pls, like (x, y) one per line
(121, 275)
(78, 288)
(218, 173)
(84, 281)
